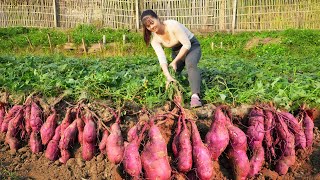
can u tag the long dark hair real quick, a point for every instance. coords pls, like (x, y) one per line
(146, 32)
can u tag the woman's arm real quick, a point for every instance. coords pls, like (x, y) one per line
(162, 60)
(182, 37)
(183, 51)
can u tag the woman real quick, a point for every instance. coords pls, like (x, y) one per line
(185, 47)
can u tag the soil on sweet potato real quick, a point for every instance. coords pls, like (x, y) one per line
(25, 165)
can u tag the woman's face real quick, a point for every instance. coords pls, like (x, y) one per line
(152, 24)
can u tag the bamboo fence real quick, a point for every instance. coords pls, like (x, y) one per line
(202, 15)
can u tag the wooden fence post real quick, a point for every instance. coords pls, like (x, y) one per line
(137, 15)
(55, 15)
(234, 15)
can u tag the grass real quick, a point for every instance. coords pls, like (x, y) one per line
(277, 66)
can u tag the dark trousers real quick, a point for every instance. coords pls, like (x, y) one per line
(191, 61)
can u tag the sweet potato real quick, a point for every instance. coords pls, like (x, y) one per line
(133, 132)
(240, 163)
(268, 139)
(52, 151)
(154, 156)
(88, 150)
(217, 138)
(89, 138)
(66, 120)
(65, 156)
(256, 161)
(35, 142)
(255, 134)
(238, 139)
(237, 152)
(287, 158)
(12, 142)
(201, 155)
(47, 130)
(80, 126)
(185, 149)
(115, 144)
(27, 115)
(35, 117)
(68, 136)
(175, 141)
(308, 126)
(89, 130)
(13, 129)
(9, 116)
(103, 142)
(296, 128)
(2, 112)
(255, 131)
(131, 157)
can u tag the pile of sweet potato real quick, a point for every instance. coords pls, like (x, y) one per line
(268, 135)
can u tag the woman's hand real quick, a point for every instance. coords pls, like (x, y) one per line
(173, 64)
(169, 80)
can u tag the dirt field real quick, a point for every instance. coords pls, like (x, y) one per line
(25, 165)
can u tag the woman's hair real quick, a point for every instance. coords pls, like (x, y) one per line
(146, 32)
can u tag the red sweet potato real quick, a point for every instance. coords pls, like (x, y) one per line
(2, 113)
(52, 151)
(68, 136)
(237, 152)
(296, 128)
(268, 139)
(287, 158)
(131, 157)
(201, 155)
(65, 156)
(103, 142)
(35, 142)
(27, 115)
(175, 141)
(185, 149)
(66, 120)
(9, 116)
(47, 130)
(256, 161)
(133, 132)
(13, 129)
(240, 163)
(154, 156)
(35, 117)
(88, 150)
(115, 144)
(217, 138)
(308, 126)
(90, 131)
(255, 134)
(89, 138)
(80, 126)
(255, 131)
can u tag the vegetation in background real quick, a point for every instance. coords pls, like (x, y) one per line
(278, 66)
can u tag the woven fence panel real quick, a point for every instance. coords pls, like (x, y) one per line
(276, 15)
(29, 13)
(203, 15)
(119, 14)
(107, 13)
(195, 14)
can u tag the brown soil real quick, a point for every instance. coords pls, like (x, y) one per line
(257, 41)
(25, 165)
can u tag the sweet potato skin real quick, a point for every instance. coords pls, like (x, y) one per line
(308, 126)
(47, 130)
(154, 156)
(201, 155)
(217, 138)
